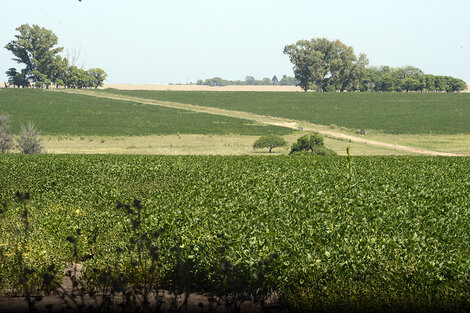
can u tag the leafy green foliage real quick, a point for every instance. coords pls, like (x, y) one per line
(34, 47)
(98, 77)
(270, 142)
(326, 65)
(249, 80)
(395, 113)
(59, 113)
(395, 237)
(307, 143)
(312, 144)
(408, 78)
(17, 79)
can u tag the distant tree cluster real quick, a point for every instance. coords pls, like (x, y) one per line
(250, 81)
(324, 65)
(306, 145)
(35, 48)
(408, 78)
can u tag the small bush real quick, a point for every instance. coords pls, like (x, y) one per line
(6, 138)
(29, 142)
(316, 151)
(323, 151)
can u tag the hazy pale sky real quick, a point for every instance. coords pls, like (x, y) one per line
(179, 41)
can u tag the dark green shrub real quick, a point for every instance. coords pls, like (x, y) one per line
(323, 151)
(311, 143)
(317, 151)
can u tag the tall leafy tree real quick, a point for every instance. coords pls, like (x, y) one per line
(308, 63)
(35, 48)
(17, 79)
(329, 65)
(98, 76)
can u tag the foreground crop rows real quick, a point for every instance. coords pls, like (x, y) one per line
(395, 236)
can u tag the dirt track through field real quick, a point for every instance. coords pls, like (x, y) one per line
(263, 119)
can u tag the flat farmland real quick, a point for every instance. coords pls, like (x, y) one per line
(56, 113)
(390, 113)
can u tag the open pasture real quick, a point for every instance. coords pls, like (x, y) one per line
(394, 237)
(391, 113)
(193, 144)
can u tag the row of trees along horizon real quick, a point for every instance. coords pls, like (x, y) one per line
(250, 81)
(35, 48)
(324, 65)
(319, 64)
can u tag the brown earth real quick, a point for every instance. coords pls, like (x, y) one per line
(195, 303)
(200, 87)
(203, 88)
(208, 88)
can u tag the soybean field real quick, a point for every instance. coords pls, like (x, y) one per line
(379, 233)
(391, 113)
(57, 113)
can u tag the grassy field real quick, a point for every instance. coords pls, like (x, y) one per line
(192, 144)
(394, 237)
(79, 123)
(392, 113)
(457, 143)
(56, 113)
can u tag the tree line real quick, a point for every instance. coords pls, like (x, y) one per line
(35, 47)
(408, 78)
(324, 65)
(250, 81)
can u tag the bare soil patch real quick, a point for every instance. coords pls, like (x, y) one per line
(196, 303)
(201, 87)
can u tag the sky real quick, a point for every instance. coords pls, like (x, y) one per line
(181, 41)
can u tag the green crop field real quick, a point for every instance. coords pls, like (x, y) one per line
(394, 237)
(56, 113)
(394, 113)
